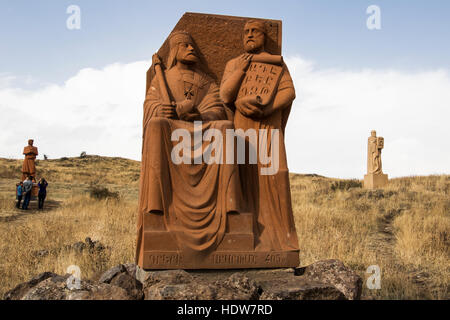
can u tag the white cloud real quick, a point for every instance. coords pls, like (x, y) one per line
(97, 111)
(100, 112)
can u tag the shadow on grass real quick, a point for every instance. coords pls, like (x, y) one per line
(17, 214)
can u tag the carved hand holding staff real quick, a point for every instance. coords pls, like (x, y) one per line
(168, 107)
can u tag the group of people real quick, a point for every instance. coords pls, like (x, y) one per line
(24, 190)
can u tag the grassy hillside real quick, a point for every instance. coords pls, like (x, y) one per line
(405, 228)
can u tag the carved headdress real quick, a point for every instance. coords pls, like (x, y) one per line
(174, 39)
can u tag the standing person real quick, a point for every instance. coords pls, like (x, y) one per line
(19, 194)
(27, 187)
(42, 192)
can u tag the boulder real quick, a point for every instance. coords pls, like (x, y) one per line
(149, 278)
(237, 287)
(323, 280)
(20, 290)
(132, 286)
(131, 269)
(50, 286)
(180, 285)
(299, 289)
(56, 289)
(102, 291)
(124, 276)
(284, 284)
(107, 276)
(335, 273)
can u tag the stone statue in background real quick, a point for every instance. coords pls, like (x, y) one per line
(258, 87)
(375, 144)
(374, 178)
(29, 167)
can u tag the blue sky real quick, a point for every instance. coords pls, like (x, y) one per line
(35, 40)
(82, 90)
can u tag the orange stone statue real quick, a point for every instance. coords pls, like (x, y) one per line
(200, 205)
(29, 167)
(258, 87)
(183, 206)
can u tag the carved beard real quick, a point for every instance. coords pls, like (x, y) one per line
(253, 46)
(189, 59)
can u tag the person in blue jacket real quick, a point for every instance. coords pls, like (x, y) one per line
(19, 194)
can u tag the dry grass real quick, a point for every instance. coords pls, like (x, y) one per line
(404, 228)
(71, 216)
(110, 221)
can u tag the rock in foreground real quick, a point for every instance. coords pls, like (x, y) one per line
(323, 280)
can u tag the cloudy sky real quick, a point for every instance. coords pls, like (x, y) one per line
(82, 90)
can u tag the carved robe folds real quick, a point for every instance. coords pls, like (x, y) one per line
(183, 207)
(267, 196)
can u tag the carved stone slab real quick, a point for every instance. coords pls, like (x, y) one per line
(218, 39)
(261, 80)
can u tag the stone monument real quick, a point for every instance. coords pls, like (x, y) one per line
(29, 167)
(197, 208)
(375, 178)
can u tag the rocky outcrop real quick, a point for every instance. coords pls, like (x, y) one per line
(50, 286)
(124, 276)
(323, 280)
(23, 288)
(335, 273)
(181, 285)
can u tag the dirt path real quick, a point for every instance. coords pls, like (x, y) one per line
(383, 243)
(383, 240)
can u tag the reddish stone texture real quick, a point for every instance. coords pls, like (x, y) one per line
(220, 215)
(218, 39)
(29, 167)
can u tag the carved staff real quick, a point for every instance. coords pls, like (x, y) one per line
(156, 63)
(161, 79)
